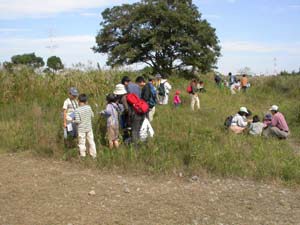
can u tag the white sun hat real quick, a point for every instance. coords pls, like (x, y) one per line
(120, 90)
(244, 109)
(274, 108)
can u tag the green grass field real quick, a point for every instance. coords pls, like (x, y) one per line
(185, 141)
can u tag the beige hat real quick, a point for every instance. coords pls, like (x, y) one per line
(274, 108)
(120, 89)
(244, 109)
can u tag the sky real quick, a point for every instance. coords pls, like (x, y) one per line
(263, 35)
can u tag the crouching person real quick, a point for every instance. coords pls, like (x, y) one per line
(239, 121)
(83, 118)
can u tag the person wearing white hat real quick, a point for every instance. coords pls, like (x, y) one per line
(279, 127)
(239, 121)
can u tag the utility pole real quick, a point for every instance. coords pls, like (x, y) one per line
(275, 66)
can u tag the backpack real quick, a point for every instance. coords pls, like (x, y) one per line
(189, 89)
(152, 100)
(162, 89)
(228, 121)
(138, 105)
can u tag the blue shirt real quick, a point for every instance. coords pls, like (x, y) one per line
(134, 88)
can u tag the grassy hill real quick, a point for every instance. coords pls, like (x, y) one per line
(185, 141)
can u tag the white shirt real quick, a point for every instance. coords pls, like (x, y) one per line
(70, 106)
(167, 86)
(240, 121)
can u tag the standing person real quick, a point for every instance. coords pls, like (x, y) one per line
(83, 117)
(244, 82)
(125, 123)
(153, 100)
(163, 91)
(112, 112)
(239, 122)
(279, 127)
(70, 105)
(130, 86)
(177, 100)
(232, 79)
(147, 95)
(194, 95)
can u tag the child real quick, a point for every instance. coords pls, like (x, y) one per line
(83, 118)
(177, 100)
(70, 105)
(112, 114)
(256, 127)
(267, 120)
(146, 130)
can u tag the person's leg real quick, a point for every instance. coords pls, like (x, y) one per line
(116, 143)
(192, 102)
(279, 133)
(151, 113)
(110, 144)
(81, 144)
(92, 145)
(166, 99)
(198, 102)
(237, 129)
(232, 90)
(136, 126)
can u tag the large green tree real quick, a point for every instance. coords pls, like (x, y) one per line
(55, 63)
(28, 59)
(165, 34)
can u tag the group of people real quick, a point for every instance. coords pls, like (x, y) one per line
(130, 108)
(273, 125)
(233, 83)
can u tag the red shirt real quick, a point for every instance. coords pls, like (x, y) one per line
(278, 121)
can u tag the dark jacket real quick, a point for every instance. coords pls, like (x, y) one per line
(146, 93)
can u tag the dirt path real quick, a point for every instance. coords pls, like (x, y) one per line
(41, 191)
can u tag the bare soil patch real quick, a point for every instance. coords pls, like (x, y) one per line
(47, 192)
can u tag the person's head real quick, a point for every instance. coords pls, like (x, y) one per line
(255, 119)
(120, 89)
(73, 92)
(274, 109)
(244, 75)
(229, 74)
(193, 81)
(158, 76)
(243, 111)
(268, 117)
(82, 98)
(140, 81)
(111, 98)
(125, 80)
(177, 92)
(201, 82)
(151, 80)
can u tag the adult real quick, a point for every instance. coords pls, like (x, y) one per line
(130, 86)
(232, 79)
(279, 127)
(236, 86)
(239, 122)
(244, 83)
(164, 91)
(194, 95)
(69, 107)
(218, 80)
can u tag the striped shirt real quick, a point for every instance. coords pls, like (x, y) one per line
(83, 117)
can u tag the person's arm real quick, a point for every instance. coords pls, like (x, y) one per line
(92, 113)
(65, 118)
(274, 121)
(77, 117)
(242, 122)
(146, 93)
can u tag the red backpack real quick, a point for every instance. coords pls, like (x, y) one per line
(189, 89)
(139, 105)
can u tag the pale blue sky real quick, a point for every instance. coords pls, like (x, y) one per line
(252, 33)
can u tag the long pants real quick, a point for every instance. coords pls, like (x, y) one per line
(151, 113)
(195, 100)
(164, 99)
(275, 132)
(89, 137)
(237, 129)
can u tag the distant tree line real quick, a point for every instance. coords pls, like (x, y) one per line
(54, 63)
(293, 73)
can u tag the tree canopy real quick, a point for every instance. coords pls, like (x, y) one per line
(55, 63)
(28, 59)
(165, 34)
